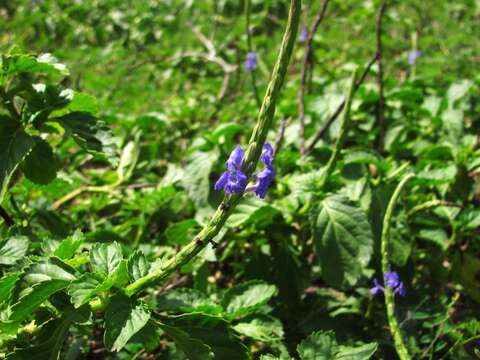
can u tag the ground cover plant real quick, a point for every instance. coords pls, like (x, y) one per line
(239, 179)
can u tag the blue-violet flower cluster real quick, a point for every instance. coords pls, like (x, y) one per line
(303, 35)
(251, 61)
(392, 280)
(234, 180)
(413, 56)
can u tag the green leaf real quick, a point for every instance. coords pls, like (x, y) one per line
(13, 250)
(41, 164)
(193, 348)
(39, 293)
(15, 144)
(210, 330)
(56, 331)
(105, 258)
(253, 211)
(67, 248)
(318, 346)
(323, 346)
(128, 160)
(123, 319)
(137, 265)
(343, 240)
(196, 179)
(261, 327)
(83, 289)
(187, 300)
(7, 284)
(182, 232)
(247, 298)
(51, 269)
(90, 133)
(23, 63)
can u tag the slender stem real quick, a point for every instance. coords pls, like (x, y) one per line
(431, 204)
(248, 10)
(264, 121)
(280, 136)
(321, 132)
(330, 167)
(71, 195)
(381, 96)
(307, 59)
(389, 295)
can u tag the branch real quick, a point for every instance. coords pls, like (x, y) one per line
(381, 96)
(252, 154)
(307, 58)
(339, 109)
(281, 134)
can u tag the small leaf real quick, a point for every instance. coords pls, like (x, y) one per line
(7, 284)
(343, 240)
(363, 352)
(247, 297)
(253, 211)
(67, 248)
(318, 346)
(122, 320)
(51, 269)
(41, 165)
(128, 160)
(13, 250)
(187, 300)
(261, 327)
(83, 289)
(137, 265)
(27, 304)
(105, 258)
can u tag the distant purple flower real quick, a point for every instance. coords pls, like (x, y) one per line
(377, 288)
(264, 178)
(391, 279)
(303, 35)
(250, 30)
(233, 180)
(251, 61)
(413, 56)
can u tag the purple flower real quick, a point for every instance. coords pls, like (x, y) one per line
(250, 30)
(233, 180)
(413, 56)
(377, 288)
(303, 35)
(264, 178)
(401, 290)
(251, 61)
(391, 279)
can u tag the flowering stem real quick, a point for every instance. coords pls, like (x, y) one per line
(264, 121)
(330, 167)
(248, 9)
(389, 295)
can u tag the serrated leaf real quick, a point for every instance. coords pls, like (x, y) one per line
(40, 292)
(83, 289)
(260, 327)
(343, 240)
(123, 319)
(67, 248)
(13, 250)
(318, 346)
(7, 284)
(137, 265)
(363, 352)
(187, 300)
(90, 133)
(51, 269)
(41, 164)
(247, 297)
(252, 211)
(105, 258)
(15, 144)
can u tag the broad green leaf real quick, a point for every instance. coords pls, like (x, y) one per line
(458, 90)
(211, 330)
(39, 293)
(247, 298)
(41, 164)
(362, 352)
(197, 177)
(137, 265)
(181, 233)
(13, 250)
(23, 63)
(438, 176)
(187, 300)
(263, 328)
(123, 319)
(252, 210)
(90, 133)
(83, 289)
(15, 144)
(51, 269)
(67, 248)
(105, 258)
(318, 346)
(7, 284)
(55, 332)
(128, 160)
(343, 240)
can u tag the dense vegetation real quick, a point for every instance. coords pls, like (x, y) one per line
(239, 179)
